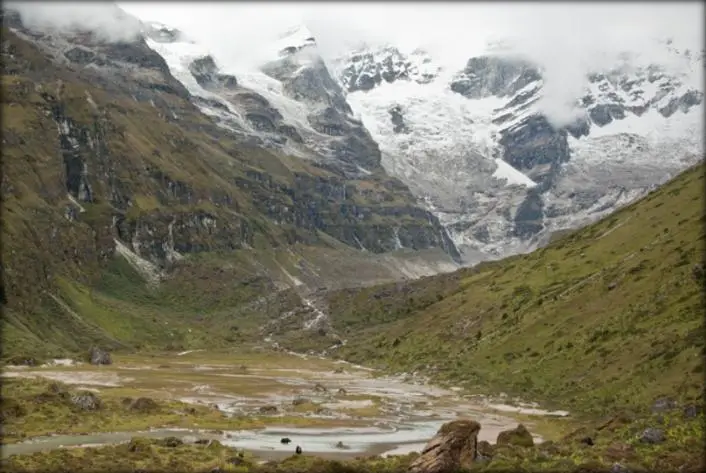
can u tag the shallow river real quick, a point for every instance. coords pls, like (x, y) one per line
(406, 414)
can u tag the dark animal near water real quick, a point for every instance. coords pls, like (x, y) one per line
(285, 440)
(298, 450)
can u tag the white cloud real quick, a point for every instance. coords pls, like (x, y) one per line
(105, 19)
(566, 39)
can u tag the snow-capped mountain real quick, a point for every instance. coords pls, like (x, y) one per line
(291, 103)
(479, 146)
(485, 156)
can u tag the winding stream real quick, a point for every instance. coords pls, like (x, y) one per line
(400, 416)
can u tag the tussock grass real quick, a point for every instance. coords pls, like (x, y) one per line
(606, 317)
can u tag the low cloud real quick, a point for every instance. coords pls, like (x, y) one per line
(568, 40)
(106, 20)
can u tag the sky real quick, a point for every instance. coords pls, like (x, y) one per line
(566, 39)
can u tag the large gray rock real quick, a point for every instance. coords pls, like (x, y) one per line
(519, 436)
(453, 447)
(86, 401)
(207, 74)
(652, 435)
(485, 76)
(98, 356)
(366, 70)
(536, 148)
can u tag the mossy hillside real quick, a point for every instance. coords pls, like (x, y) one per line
(608, 316)
(139, 163)
(206, 300)
(616, 440)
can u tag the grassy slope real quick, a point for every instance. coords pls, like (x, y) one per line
(608, 316)
(66, 288)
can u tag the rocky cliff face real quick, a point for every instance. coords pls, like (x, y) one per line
(109, 152)
(479, 147)
(293, 105)
(365, 70)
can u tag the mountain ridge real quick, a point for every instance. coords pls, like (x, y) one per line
(500, 130)
(603, 318)
(108, 161)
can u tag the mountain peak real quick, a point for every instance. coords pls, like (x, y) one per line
(294, 39)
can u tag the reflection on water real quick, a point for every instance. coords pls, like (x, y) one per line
(406, 413)
(312, 440)
(358, 440)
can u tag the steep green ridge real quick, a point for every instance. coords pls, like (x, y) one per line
(606, 317)
(103, 164)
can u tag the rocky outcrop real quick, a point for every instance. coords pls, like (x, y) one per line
(652, 435)
(144, 404)
(207, 74)
(162, 33)
(97, 356)
(618, 93)
(306, 78)
(397, 119)
(486, 76)
(268, 410)
(454, 447)
(366, 70)
(529, 217)
(536, 148)
(519, 437)
(86, 401)
(111, 155)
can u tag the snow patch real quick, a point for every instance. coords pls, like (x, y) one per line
(511, 175)
(147, 269)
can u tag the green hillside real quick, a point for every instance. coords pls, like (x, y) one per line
(112, 179)
(608, 316)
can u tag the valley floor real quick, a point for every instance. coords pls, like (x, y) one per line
(204, 409)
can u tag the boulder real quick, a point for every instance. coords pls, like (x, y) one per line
(519, 436)
(144, 404)
(11, 409)
(86, 401)
(652, 435)
(98, 356)
(297, 401)
(268, 410)
(692, 410)
(484, 452)
(19, 360)
(663, 404)
(139, 445)
(453, 447)
(171, 442)
(236, 461)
